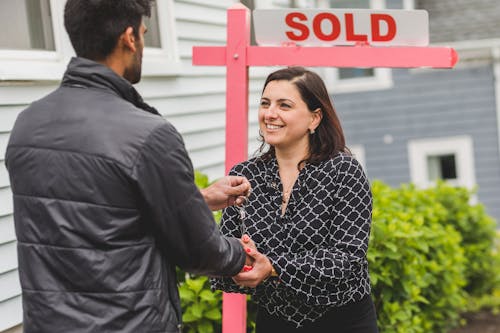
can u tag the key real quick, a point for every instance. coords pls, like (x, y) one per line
(242, 212)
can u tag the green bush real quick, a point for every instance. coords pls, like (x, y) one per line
(201, 308)
(478, 236)
(417, 265)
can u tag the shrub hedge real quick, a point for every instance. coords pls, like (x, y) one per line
(431, 253)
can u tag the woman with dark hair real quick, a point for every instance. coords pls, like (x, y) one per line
(307, 221)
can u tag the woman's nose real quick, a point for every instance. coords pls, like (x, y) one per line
(270, 112)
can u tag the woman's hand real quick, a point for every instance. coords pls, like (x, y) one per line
(247, 242)
(261, 270)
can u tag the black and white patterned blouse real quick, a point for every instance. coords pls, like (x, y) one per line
(318, 247)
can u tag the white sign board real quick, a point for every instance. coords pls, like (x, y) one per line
(320, 27)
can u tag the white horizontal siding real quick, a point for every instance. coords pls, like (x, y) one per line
(181, 87)
(4, 139)
(24, 93)
(204, 139)
(11, 312)
(194, 104)
(4, 175)
(213, 172)
(195, 31)
(187, 11)
(192, 123)
(8, 115)
(220, 4)
(6, 206)
(9, 284)
(207, 157)
(8, 257)
(7, 233)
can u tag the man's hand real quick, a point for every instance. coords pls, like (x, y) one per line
(227, 191)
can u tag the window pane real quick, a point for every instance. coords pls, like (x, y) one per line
(152, 37)
(26, 25)
(442, 167)
(351, 73)
(294, 3)
(349, 3)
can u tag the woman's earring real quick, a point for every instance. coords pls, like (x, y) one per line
(312, 131)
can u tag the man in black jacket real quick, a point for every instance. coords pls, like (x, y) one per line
(105, 205)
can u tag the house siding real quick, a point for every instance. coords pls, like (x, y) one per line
(427, 104)
(459, 20)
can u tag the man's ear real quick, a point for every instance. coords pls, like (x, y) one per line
(128, 39)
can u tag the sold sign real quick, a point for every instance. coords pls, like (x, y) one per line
(341, 27)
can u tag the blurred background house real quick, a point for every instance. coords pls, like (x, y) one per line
(404, 125)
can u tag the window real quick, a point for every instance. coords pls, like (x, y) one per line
(34, 44)
(285, 3)
(161, 53)
(152, 37)
(26, 25)
(442, 167)
(449, 159)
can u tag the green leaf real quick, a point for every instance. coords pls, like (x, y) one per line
(208, 296)
(205, 327)
(197, 310)
(186, 294)
(213, 314)
(196, 284)
(188, 316)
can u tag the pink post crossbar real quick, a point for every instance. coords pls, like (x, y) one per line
(238, 55)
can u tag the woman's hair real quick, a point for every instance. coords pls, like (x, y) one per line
(94, 26)
(328, 139)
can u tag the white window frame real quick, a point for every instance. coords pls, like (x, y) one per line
(408, 4)
(21, 65)
(39, 64)
(163, 61)
(460, 146)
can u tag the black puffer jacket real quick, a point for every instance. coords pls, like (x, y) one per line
(105, 206)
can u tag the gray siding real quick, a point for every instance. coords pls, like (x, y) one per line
(427, 104)
(458, 20)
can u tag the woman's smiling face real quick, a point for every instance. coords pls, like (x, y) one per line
(284, 118)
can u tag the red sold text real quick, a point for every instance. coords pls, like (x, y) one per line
(298, 22)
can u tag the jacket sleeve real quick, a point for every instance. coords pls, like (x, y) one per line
(325, 275)
(175, 210)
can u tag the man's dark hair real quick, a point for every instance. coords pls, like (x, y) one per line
(94, 26)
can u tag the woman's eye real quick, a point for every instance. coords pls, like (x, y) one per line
(264, 103)
(285, 106)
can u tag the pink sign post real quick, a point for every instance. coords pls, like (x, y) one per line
(238, 55)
